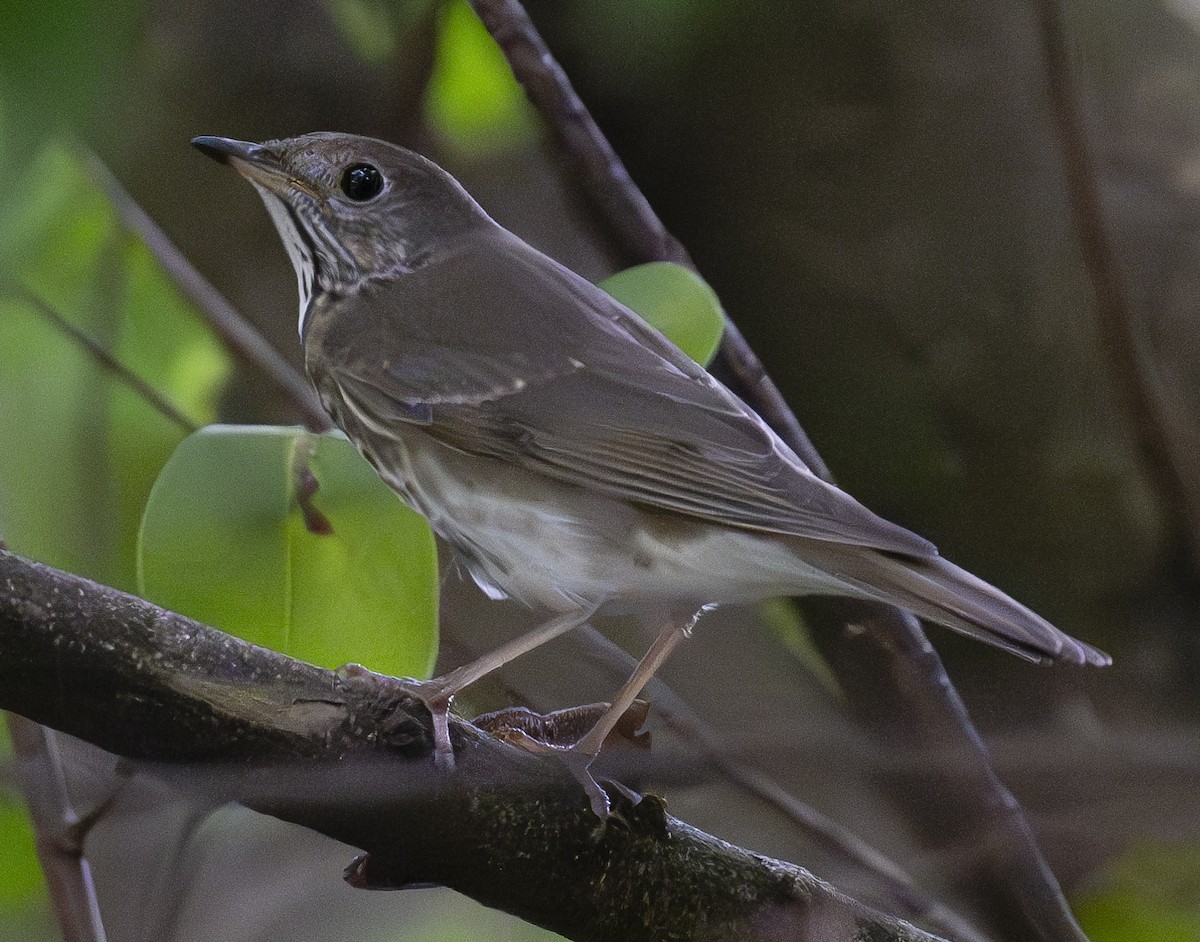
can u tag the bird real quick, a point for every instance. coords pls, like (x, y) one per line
(577, 460)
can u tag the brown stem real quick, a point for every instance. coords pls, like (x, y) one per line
(885, 671)
(58, 831)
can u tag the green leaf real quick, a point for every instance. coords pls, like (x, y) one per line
(224, 541)
(472, 99)
(675, 300)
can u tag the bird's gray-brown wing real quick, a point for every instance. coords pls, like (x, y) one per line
(498, 351)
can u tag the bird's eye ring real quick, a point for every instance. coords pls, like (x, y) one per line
(361, 182)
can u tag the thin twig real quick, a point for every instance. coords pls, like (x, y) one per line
(58, 832)
(901, 661)
(888, 672)
(100, 355)
(241, 337)
(1120, 335)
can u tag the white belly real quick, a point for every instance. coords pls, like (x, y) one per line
(556, 546)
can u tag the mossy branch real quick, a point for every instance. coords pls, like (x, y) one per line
(347, 753)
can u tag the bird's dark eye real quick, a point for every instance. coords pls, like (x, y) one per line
(360, 182)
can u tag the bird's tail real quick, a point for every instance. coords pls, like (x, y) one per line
(942, 592)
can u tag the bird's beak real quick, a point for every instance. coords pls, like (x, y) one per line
(224, 149)
(256, 162)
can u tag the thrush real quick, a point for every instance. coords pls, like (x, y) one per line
(572, 455)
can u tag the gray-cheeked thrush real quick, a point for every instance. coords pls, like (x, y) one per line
(572, 455)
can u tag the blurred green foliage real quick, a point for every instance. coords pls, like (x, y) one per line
(22, 886)
(378, 30)
(783, 619)
(80, 450)
(22, 889)
(58, 60)
(1151, 893)
(473, 101)
(365, 24)
(83, 449)
(224, 541)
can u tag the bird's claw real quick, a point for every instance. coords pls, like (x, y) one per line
(576, 760)
(436, 697)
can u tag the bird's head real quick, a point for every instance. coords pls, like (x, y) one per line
(350, 208)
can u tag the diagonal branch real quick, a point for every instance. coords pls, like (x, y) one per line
(898, 684)
(101, 355)
(347, 754)
(241, 337)
(618, 202)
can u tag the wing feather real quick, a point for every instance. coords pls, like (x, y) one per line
(580, 389)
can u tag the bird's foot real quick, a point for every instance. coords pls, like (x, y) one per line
(577, 758)
(575, 737)
(437, 695)
(569, 735)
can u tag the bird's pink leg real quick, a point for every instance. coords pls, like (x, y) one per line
(579, 756)
(437, 693)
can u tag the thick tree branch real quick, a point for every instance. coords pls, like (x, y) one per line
(347, 753)
(892, 675)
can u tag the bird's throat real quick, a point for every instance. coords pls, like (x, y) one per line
(299, 245)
